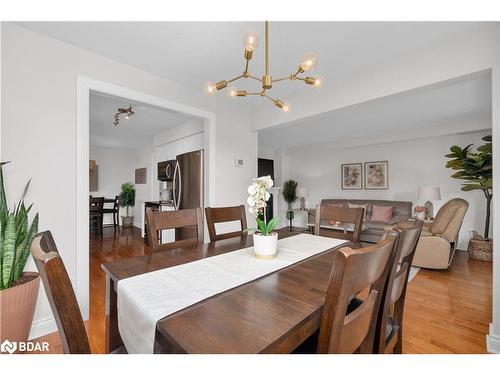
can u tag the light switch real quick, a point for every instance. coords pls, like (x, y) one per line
(238, 162)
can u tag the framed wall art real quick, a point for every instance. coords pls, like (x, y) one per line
(377, 175)
(352, 176)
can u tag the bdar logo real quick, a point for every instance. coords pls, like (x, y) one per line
(9, 347)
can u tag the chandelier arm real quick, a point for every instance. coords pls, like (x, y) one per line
(245, 72)
(253, 93)
(256, 78)
(281, 79)
(235, 78)
(300, 78)
(297, 73)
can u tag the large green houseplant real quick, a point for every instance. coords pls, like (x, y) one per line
(476, 169)
(18, 289)
(127, 199)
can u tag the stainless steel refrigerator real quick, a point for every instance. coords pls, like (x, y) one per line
(188, 187)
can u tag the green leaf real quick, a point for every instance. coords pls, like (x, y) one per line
(272, 223)
(26, 251)
(456, 149)
(470, 187)
(8, 249)
(262, 226)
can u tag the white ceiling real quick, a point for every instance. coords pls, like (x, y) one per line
(136, 132)
(194, 52)
(420, 111)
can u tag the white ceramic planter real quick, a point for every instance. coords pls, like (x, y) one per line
(265, 247)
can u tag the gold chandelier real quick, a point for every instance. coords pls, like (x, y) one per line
(251, 42)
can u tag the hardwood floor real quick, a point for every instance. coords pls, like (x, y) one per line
(446, 311)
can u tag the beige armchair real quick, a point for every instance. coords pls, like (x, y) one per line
(438, 240)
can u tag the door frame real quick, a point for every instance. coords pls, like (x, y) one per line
(84, 87)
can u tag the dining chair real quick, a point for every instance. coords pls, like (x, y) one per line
(180, 219)
(349, 221)
(96, 205)
(389, 332)
(223, 215)
(60, 294)
(115, 211)
(346, 328)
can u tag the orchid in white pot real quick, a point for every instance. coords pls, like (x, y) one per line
(264, 239)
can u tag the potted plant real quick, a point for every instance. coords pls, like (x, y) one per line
(127, 199)
(290, 196)
(477, 169)
(18, 289)
(265, 241)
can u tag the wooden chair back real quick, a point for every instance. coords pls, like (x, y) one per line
(60, 294)
(344, 331)
(162, 220)
(96, 205)
(222, 215)
(116, 204)
(388, 335)
(343, 215)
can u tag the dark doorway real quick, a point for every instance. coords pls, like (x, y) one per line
(265, 167)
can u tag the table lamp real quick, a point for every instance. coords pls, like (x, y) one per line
(302, 194)
(428, 194)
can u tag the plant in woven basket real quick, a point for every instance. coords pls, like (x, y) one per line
(476, 168)
(16, 235)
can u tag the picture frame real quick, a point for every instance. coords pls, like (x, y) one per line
(351, 176)
(141, 175)
(376, 175)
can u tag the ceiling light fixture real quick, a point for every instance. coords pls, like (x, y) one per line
(251, 42)
(128, 112)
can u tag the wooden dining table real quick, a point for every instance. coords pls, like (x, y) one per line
(272, 314)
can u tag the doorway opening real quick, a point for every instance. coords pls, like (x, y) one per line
(90, 91)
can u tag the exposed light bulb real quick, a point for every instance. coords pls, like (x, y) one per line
(314, 81)
(209, 88)
(127, 116)
(309, 61)
(251, 40)
(282, 105)
(232, 92)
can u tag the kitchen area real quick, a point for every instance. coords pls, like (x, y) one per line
(180, 186)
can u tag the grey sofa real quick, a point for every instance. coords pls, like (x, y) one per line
(372, 230)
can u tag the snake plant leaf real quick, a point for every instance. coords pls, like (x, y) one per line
(8, 250)
(1, 255)
(3, 199)
(26, 251)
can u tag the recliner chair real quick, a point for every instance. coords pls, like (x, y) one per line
(438, 240)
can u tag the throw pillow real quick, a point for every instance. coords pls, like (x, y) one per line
(382, 214)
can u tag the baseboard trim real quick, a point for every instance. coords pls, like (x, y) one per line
(42, 327)
(492, 342)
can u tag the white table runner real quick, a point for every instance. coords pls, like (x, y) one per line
(147, 298)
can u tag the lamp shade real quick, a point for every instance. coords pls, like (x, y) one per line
(302, 192)
(428, 193)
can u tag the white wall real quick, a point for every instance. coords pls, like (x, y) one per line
(412, 164)
(462, 54)
(116, 166)
(39, 77)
